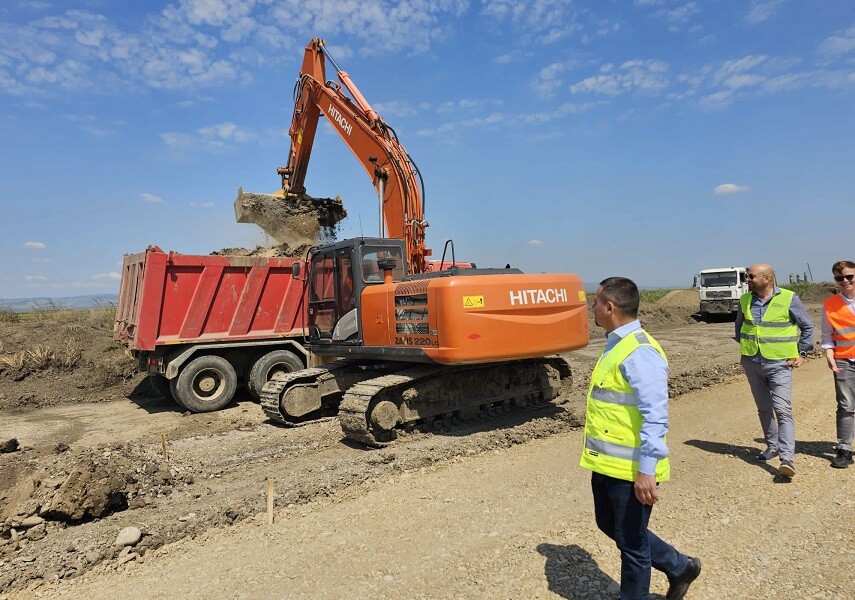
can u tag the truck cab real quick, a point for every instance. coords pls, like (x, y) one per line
(719, 290)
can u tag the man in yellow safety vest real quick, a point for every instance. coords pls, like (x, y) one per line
(625, 425)
(775, 334)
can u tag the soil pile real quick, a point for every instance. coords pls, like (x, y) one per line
(58, 357)
(291, 222)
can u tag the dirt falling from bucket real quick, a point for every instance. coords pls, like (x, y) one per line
(294, 225)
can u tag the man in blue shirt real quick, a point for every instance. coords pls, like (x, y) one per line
(625, 425)
(770, 377)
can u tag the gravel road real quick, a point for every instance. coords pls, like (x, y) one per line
(516, 521)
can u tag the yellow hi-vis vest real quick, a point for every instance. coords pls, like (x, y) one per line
(776, 337)
(612, 443)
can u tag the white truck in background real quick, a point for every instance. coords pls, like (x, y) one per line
(719, 290)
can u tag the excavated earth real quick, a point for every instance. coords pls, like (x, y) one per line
(291, 222)
(87, 450)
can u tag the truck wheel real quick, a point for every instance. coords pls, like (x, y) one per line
(278, 361)
(205, 384)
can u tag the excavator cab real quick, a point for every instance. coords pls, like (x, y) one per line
(338, 273)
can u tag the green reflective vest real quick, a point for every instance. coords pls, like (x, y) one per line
(612, 444)
(776, 336)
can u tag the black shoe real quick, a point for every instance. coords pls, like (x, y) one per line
(787, 469)
(842, 460)
(678, 586)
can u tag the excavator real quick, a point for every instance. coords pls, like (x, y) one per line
(409, 341)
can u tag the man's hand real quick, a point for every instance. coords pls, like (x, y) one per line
(795, 363)
(645, 489)
(832, 363)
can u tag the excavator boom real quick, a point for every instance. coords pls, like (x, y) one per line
(374, 144)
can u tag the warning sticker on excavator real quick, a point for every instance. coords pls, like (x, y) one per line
(473, 301)
(581, 295)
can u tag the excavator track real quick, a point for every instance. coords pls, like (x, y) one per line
(321, 387)
(272, 391)
(371, 410)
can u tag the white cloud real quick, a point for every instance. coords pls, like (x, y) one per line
(549, 79)
(145, 196)
(111, 275)
(646, 76)
(463, 105)
(98, 131)
(761, 10)
(842, 43)
(682, 13)
(213, 138)
(535, 243)
(733, 68)
(396, 108)
(554, 18)
(485, 122)
(35, 245)
(568, 108)
(729, 188)
(34, 278)
(716, 100)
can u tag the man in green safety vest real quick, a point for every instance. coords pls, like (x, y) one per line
(624, 443)
(775, 334)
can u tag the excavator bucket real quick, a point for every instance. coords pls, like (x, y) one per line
(290, 220)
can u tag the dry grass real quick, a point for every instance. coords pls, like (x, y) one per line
(42, 356)
(73, 353)
(13, 361)
(7, 315)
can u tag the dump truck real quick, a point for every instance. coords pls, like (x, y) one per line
(201, 326)
(719, 290)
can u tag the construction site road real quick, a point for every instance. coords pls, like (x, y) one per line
(502, 512)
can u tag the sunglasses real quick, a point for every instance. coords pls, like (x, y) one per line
(839, 278)
(751, 275)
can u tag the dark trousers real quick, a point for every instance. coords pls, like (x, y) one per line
(624, 519)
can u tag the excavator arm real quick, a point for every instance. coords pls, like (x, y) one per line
(374, 144)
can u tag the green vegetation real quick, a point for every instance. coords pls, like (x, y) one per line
(812, 292)
(650, 296)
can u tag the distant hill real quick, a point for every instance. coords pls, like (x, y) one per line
(64, 303)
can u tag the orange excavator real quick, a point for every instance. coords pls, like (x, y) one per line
(420, 342)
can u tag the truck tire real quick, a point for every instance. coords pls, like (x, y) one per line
(205, 384)
(278, 361)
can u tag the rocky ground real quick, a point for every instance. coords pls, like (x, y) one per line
(188, 492)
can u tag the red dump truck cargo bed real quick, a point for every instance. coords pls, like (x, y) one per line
(171, 298)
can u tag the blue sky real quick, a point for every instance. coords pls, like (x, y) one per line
(646, 138)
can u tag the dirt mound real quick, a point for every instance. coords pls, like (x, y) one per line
(684, 298)
(62, 357)
(282, 250)
(655, 317)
